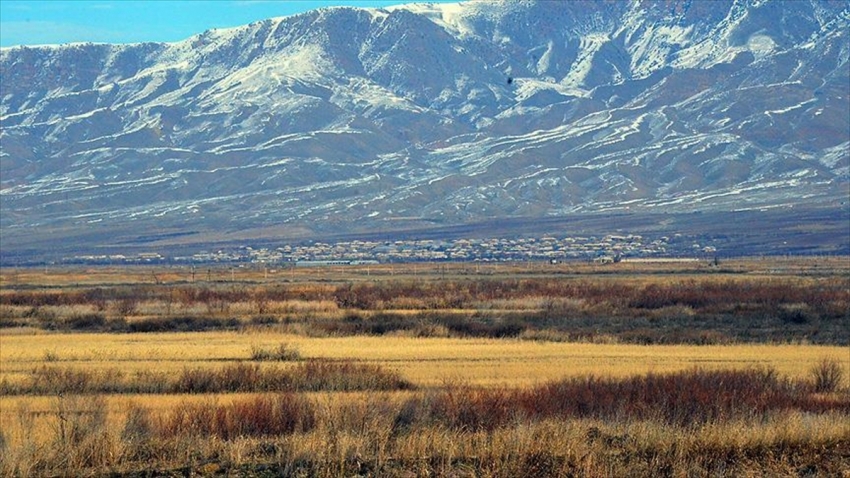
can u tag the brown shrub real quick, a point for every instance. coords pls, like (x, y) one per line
(183, 324)
(283, 352)
(827, 376)
(268, 415)
(59, 380)
(82, 441)
(317, 375)
(310, 375)
(683, 399)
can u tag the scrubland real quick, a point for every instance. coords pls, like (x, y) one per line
(428, 370)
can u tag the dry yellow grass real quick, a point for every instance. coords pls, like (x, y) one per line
(354, 427)
(425, 361)
(348, 429)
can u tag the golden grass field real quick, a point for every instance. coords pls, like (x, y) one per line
(424, 361)
(356, 432)
(427, 362)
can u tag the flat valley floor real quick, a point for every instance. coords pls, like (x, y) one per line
(579, 369)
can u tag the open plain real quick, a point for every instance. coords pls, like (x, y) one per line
(446, 369)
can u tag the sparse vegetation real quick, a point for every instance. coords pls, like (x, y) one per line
(260, 416)
(504, 374)
(632, 308)
(312, 375)
(701, 422)
(827, 376)
(283, 352)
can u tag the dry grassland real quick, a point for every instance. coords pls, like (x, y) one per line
(428, 370)
(118, 275)
(424, 361)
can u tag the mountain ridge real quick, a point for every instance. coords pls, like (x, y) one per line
(349, 119)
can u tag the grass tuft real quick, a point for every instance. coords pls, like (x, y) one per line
(827, 376)
(268, 415)
(282, 353)
(310, 375)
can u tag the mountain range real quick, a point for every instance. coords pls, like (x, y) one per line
(352, 120)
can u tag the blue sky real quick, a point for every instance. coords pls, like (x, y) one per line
(31, 22)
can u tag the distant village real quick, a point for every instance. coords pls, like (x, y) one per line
(610, 248)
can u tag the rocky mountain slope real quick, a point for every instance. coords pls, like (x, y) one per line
(348, 119)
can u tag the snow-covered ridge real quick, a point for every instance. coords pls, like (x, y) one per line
(350, 117)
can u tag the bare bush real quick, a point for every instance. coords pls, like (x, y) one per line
(183, 324)
(95, 321)
(275, 415)
(682, 399)
(3, 450)
(316, 375)
(827, 376)
(283, 352)
(137, 434)
(126, 306)
(82, 441)
(310, 375)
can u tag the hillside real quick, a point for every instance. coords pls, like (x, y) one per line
(347, 120)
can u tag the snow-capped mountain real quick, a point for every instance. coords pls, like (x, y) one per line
(347, 119)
